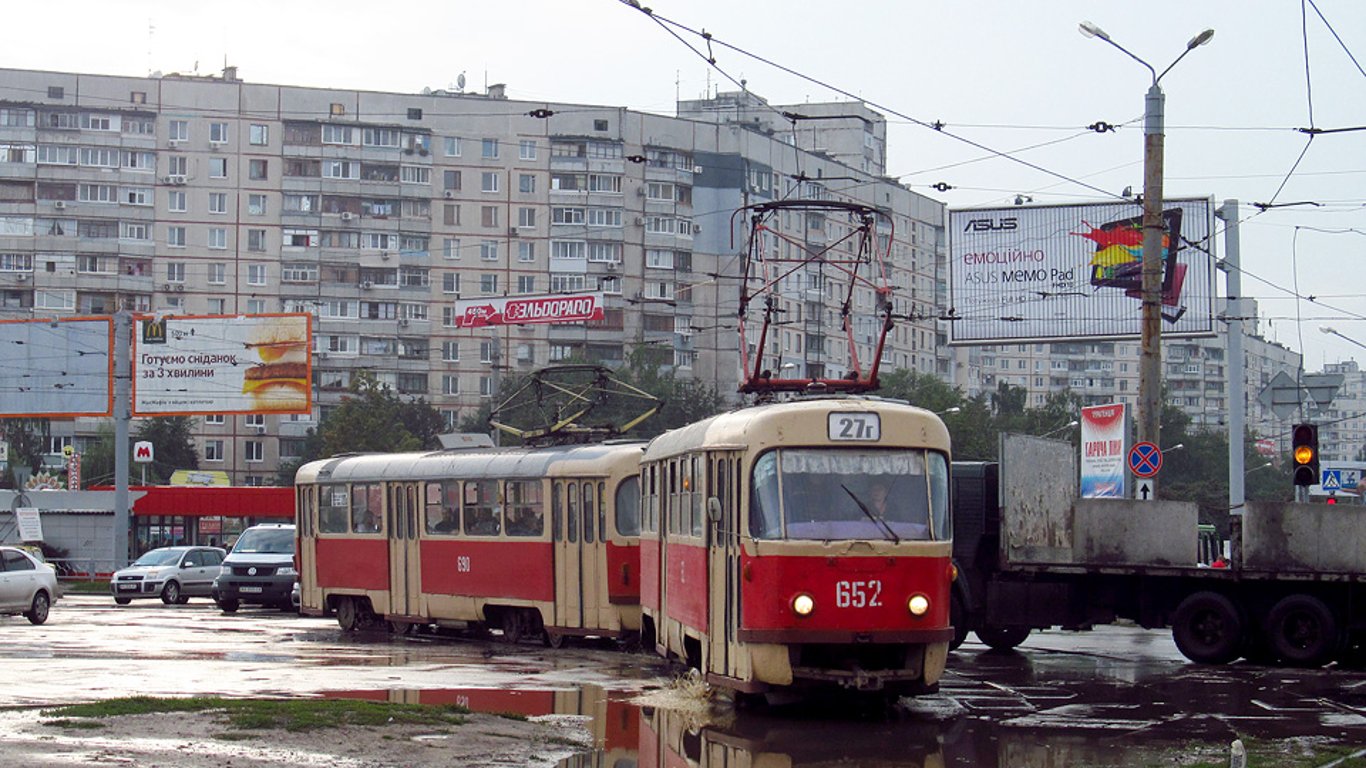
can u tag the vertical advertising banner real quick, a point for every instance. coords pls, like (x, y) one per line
(1104, 450)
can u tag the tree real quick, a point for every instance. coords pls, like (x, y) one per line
(920, 389)
(173, 445)
(371, 418)
(28, 441)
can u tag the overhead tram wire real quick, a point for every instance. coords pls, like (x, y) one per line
(936, 126)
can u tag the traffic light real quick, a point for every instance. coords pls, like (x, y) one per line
(1304, 451)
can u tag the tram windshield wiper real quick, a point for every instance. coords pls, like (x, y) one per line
(891, 534)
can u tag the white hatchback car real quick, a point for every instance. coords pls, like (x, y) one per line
(174, 574)
(27, 585)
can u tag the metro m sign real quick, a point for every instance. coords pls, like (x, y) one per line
(527, 310)
(143, 452)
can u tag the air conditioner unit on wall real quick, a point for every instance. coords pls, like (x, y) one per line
(449, 195)
(403, 322)
(21, 278)
(60, 205)
(260, 428)
(347, 216)
(366, 285)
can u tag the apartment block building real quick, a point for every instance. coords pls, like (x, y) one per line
(376, 212)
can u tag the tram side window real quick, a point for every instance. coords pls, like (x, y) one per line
(588, 509)
(443, 508)
(628, 507)
(366, 508)
(557, 512)
(765, 514)
(525, 510)
(602, 511)
(332, 509)
(481, 508)
(671, 510)
(571, 517)
(698, 487)
(940, 518)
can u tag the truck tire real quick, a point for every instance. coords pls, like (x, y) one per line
(1303, 631)
(1208, 629)
(1003, 638)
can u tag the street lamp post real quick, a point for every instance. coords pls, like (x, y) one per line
(1154, 225)
(1335, 332)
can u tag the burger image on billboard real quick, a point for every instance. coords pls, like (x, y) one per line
(278, 378)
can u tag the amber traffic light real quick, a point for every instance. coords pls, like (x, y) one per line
(1304, 451)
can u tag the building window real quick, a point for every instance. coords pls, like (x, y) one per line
(217, 274)
(450, 384)
(218, 238)
(526, 183)
(526, 251)
(488, 181)
(488, 215)
(415, 174)
(258, 135)
(450, 351)
(336, 134)
(254, 451)
(175, 237)
(176, 201)
(218, 133)
(218, 202)
(256, 274)
(256, 240)
(526, 149)
(218, 167)
(213, 449)
(258, 170)
(414, 113)
(526, 218)
(599, 125)
(451, 180)
(256, 205)
(450, 248)
(488, 250)
(488, 284)
(489, 149)
(526, 283)
(452, 144)
(178, 130)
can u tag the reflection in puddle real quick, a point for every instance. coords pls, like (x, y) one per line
(627, 735)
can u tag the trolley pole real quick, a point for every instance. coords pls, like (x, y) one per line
(123, 414)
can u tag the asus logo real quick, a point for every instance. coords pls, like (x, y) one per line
(989, 225)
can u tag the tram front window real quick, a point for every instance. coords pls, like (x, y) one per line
(825, 494)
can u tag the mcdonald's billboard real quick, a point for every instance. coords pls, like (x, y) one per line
(200, 364)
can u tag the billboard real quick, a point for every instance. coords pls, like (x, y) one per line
(1068, 272)
(57, 368)
(201, 364)
(526, 310)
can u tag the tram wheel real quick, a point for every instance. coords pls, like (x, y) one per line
(513, 629)
(554, 639)
(348, 615)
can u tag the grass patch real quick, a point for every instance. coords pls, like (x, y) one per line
(1291, 753)
(84, 587)
(271, 714)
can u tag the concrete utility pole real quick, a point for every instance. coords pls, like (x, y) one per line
(123, 414)
(1233, 312)
(1154, 226)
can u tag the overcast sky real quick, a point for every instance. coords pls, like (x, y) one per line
(1007, 75)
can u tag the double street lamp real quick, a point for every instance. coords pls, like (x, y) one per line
(1154, 226)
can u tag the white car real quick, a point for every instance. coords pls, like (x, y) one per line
(27, 585)
(174, 574)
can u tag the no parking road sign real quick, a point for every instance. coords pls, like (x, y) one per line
(1145, 459)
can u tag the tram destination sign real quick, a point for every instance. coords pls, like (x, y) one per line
(527, 310)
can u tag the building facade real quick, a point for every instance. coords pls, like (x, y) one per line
(376, 212)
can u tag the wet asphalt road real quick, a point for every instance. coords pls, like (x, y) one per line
(1062, 699)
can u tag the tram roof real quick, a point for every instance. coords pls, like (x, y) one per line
(757, 426)
(462, 463)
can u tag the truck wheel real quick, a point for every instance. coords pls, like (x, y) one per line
(1208, 629)
(959, 621)
(1303, 631)
(1003, 638)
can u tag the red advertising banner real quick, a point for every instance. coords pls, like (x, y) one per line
(526, 310)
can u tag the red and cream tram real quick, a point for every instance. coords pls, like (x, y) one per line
(801, 544)
(532, 541)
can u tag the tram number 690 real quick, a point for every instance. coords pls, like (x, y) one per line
(858, 594)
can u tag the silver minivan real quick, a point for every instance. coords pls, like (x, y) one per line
(175, 574)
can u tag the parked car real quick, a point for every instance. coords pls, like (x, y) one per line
(175, 574)
(259, 569)
(27, 584)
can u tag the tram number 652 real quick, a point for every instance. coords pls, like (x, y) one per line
(858, 594)
(462, 564)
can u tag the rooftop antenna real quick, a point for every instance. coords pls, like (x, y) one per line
(151, 30)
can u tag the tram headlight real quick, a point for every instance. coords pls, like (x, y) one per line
(803, 604)
(918, 605)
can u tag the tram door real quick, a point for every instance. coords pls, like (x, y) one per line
(306, 527)
(577, 554)
(723, 565)
(405, 572)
